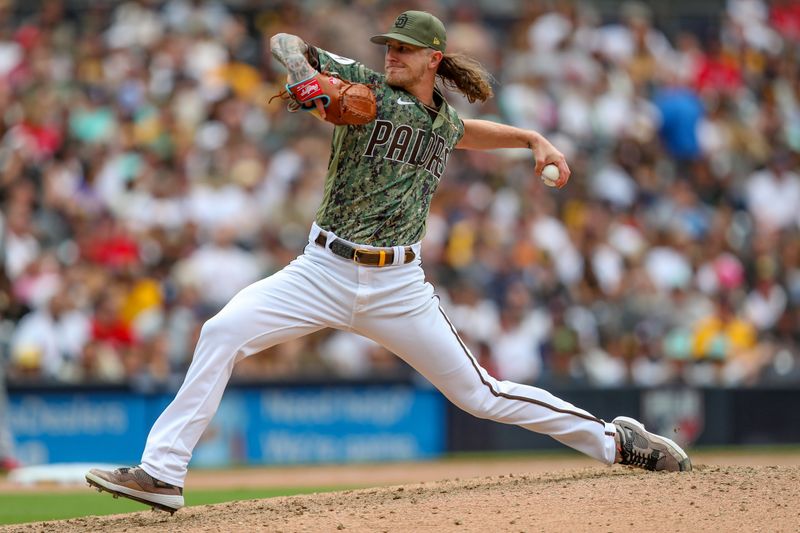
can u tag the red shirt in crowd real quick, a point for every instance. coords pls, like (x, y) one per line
(116, 333)
(785, 17)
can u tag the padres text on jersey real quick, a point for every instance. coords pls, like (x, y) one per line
(382, 175)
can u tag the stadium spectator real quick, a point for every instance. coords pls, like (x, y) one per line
(50, 338)
(144, 174)
(773, 193)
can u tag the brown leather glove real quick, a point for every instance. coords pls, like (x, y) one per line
(345, 103)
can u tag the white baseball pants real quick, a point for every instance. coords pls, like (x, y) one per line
(392, 305)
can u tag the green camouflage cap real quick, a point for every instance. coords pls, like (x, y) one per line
(418, 28)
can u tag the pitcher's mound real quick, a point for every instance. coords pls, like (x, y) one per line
(711, 498)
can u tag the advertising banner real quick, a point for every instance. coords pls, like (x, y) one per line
(283, 425)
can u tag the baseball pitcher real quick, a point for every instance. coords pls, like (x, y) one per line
(361, 270)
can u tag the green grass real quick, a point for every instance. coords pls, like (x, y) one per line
(39, 506)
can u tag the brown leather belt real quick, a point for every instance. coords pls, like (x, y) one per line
(363, 256)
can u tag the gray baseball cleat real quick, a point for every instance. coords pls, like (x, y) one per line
(136, 484)
(640, 448)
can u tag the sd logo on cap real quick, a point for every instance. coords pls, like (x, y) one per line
(418, 28)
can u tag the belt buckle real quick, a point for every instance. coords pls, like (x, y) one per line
(363, 251)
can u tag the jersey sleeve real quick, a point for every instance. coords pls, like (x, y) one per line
(460, 127)
(346, 68)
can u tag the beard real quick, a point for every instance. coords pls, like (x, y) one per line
(403, 77)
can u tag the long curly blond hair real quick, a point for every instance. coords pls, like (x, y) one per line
(466, 75)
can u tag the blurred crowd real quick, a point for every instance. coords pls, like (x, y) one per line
(145, 178)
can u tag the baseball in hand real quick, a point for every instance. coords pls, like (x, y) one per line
(550, 175)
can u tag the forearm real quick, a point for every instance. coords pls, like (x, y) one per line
(291, 51)
(487, 135)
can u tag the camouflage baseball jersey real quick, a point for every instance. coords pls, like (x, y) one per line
(382, 176)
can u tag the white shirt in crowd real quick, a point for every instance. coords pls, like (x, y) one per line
(774, 201)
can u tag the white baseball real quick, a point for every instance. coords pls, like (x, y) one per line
(550, 175)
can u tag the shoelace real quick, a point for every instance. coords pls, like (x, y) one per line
(640, 459)
(156, 482)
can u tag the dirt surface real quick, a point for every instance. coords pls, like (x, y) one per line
(714, 497)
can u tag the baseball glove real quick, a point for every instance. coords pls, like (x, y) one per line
(345, 103)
